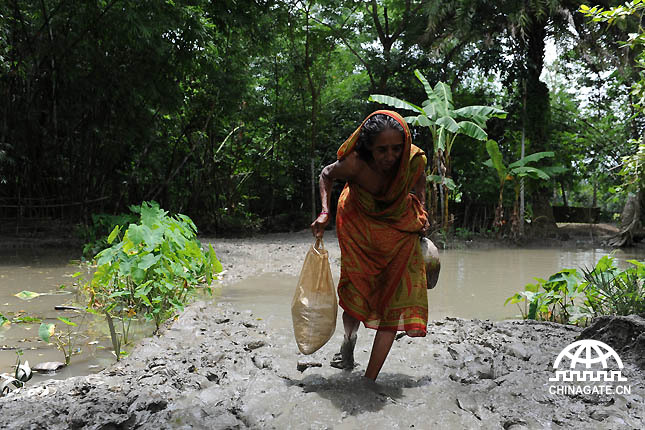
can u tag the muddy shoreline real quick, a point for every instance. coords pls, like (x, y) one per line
(221, 367)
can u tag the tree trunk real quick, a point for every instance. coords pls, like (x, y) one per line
(630, 222)
(564, 195)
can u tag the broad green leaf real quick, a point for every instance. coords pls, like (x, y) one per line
(135, 234)
(449, 183)
(471, 112)
(4, 320)
(637, 263)
(395, 102)
(147, 261)
(189, 222)
(138, 274)
(46, 331)
(27, 295)
(67, 321)
(529, 171)
(215, 263)
(471, 129)
(516, 298)
(531, 159)
(424, 81)
(151, 213)
(425, 121)
(496, 160)
(114, 234)
(444, 94)
(533, 288)
(449, 123)
(152, 237)
(441, 139)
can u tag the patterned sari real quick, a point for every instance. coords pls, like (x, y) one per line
(382, 279)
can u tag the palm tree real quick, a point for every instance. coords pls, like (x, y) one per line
(515, 172)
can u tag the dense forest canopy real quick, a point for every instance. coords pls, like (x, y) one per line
(228, 110)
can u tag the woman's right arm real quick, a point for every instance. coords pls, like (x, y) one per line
(340, 170)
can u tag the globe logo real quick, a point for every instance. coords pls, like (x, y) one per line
(584, 354)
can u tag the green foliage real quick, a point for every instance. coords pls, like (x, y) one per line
(550, 300)
(64, 341)
(513, 172)
(612, 291)
(153, 269)
(634, 178)
(569, 297)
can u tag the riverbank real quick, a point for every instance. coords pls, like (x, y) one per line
(219, 366)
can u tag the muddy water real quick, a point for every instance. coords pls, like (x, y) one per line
(472, 283)
(44, 272)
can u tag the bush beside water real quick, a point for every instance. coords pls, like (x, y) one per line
(574, 297)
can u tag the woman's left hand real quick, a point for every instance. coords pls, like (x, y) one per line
(318, 226)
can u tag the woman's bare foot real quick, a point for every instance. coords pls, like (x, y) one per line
(345, 358)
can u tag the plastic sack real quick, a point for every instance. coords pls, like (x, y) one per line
(314, 307)
(431, 260)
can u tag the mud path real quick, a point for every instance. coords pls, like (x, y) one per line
(219, 366)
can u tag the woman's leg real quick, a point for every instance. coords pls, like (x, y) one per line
(381, 347)
(345, 358)
(351, 324)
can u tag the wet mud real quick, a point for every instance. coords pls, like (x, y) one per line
(228, 365)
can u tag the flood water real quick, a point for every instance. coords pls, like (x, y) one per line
(44, 271)
(472, 284)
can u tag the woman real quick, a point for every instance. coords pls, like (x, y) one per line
(382, 280)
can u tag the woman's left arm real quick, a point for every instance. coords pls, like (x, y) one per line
(419, 189)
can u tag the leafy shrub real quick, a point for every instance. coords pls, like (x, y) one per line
(569, 297)
(611, 291)
(551, 300)
(151, 271)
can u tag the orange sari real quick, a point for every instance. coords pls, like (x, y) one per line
(382, 278)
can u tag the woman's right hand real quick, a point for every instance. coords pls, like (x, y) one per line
(318, 226)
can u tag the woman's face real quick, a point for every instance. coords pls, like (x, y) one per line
(387, 150)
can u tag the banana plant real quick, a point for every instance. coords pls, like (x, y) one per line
(513, 172)
(445, 123)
